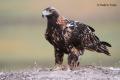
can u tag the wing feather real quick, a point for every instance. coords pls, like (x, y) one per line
(88, 38)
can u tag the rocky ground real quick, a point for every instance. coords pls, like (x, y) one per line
(83, 73)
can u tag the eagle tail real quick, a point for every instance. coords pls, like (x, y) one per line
(102, 48)
(106, 43)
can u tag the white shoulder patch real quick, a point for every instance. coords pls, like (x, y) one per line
(69, 25)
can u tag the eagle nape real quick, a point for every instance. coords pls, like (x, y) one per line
(71, 37)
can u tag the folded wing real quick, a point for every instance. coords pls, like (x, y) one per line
(85, 36)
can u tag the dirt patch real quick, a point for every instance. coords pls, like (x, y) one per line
(83, 73)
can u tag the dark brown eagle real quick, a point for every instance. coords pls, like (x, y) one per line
(71, 37)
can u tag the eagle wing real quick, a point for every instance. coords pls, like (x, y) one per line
(84, 36)
(87, 36)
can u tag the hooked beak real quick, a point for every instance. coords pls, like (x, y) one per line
(43, 16)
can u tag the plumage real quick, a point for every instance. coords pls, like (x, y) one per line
(71, 37)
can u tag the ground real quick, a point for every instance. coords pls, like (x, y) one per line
(83, 73)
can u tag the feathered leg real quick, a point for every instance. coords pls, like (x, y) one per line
(73, 58)
(58, 59)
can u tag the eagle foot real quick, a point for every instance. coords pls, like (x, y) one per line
(57, 67)
(74, 65)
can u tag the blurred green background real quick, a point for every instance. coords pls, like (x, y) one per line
(22, 29)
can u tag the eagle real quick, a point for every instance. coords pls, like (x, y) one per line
(71, 37)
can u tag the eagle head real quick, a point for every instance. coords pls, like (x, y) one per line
(50, 12)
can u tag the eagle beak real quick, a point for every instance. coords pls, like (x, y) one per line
(43, 15)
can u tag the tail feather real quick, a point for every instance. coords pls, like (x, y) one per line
(102, 48)
(106, 43)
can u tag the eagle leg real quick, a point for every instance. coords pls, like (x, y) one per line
(58, 59)
(73, 58)
(73, 61)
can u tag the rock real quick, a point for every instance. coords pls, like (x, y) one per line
(82, 73)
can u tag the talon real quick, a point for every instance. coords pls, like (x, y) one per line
(69, 68)
(57, 67)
